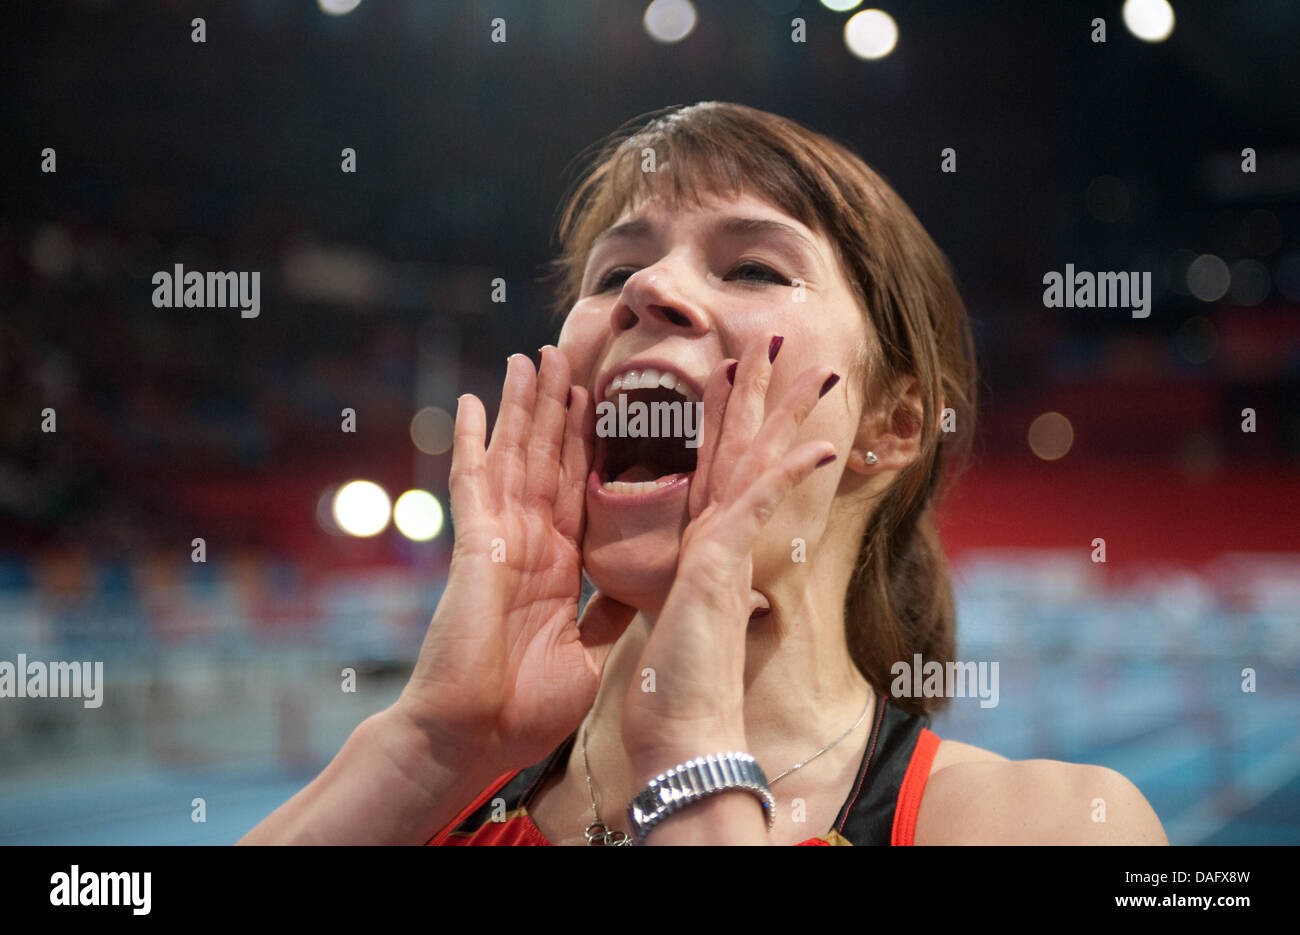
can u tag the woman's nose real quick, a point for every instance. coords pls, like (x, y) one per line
(653, 298)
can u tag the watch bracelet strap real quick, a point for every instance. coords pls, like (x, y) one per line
(694, 780)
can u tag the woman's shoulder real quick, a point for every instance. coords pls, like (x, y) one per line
(976, 796)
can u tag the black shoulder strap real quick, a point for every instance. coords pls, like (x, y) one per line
(868, 815)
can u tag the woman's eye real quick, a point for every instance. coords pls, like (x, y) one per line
(768, 274)
(609, 280)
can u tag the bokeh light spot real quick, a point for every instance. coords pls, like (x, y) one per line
(361, 508)
(871, 34)
(1050, 436)
(432, 430)
(418, 515)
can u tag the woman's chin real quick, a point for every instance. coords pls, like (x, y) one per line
(636, 571)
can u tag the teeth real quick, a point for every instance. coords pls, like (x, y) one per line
(624, 487)
(646, 380)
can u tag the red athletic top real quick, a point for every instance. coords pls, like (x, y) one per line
(881, 809)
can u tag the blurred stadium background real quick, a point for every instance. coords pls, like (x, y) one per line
(223, 677)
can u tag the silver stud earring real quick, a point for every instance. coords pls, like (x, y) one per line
(871, 457)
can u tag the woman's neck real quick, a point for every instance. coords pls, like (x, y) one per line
(802, 691)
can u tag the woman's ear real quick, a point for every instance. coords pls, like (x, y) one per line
(890, 432)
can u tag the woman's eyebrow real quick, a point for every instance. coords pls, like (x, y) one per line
(733, 226)
(628, 230)
(743, 226)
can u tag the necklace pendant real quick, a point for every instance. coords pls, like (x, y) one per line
(599, 835)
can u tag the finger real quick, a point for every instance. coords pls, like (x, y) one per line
(603, 621)
(716, 390)
(781, 426)
(546, 438)
(744, 415)
(756, 505)
(468, 478)
(507, 450)
(579, 448)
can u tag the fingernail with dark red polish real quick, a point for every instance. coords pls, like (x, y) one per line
(830, 381)
(731, 373)
(826, 460)
(773, 347)
(760, 612)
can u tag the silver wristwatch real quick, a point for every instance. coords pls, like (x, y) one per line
(689, 782)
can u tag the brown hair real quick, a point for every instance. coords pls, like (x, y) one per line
(899, 600)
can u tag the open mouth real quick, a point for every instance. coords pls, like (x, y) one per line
(656, 456)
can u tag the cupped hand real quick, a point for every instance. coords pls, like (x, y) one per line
(748, 465)
(506, 671)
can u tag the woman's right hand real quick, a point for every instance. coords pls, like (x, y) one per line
(505, 673)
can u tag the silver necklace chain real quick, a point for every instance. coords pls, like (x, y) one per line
(600, 834)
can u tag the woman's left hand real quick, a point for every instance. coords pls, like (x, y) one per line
(747, 467)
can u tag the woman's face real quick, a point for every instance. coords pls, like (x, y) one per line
(678, 292)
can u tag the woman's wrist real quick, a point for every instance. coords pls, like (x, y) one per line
(649, 762)
(431, 756)
(730, 816)
(417, 726)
